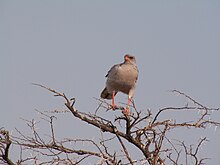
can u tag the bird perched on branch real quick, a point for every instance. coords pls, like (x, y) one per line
(121, 78)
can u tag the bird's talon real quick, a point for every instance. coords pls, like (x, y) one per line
(114, 107)
(126, 111)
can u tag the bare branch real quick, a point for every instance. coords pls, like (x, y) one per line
(5, 143)
(144, 130)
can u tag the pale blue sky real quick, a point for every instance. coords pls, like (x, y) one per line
(70, 46)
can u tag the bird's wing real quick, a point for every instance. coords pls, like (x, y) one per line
(113, 69)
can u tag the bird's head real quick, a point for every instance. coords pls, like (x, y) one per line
(129, 59)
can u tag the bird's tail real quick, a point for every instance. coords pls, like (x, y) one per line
(106, 95)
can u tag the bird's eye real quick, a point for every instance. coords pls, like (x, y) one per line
(131, 57)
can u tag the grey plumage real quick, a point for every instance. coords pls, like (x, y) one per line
(121, 78)
(105, 94)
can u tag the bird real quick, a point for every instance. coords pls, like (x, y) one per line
(121, 78)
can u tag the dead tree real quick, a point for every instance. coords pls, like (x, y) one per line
(142, 130)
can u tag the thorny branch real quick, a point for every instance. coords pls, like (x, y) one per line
(5, 143)
(142, 130)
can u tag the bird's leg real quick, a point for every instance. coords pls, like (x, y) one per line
(127, 111)
(113, 101)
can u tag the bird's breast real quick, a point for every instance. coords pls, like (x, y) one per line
(122, 78)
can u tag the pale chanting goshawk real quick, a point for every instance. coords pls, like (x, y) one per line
(121, 78)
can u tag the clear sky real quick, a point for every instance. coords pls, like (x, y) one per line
(70, 45)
